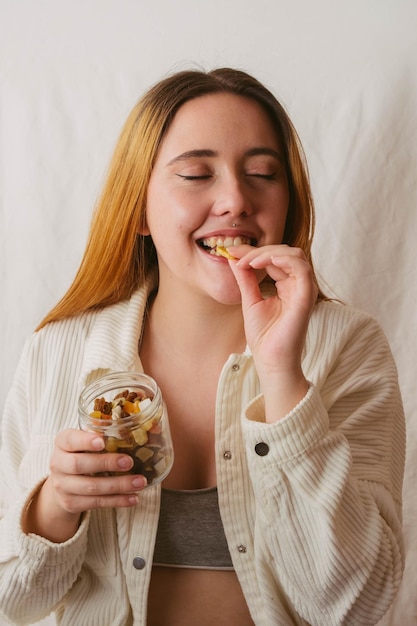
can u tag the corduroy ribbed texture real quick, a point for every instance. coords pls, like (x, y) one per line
(313, 526)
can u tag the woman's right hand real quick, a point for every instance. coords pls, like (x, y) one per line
(73, 487)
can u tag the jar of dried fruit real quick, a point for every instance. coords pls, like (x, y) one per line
(128, 410)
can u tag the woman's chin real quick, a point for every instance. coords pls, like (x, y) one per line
(230, 297)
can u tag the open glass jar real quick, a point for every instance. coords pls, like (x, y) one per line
(128, 410)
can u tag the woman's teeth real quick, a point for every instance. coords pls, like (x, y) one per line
(223, 242)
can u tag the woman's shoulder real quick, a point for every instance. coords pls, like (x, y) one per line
(103, 334)
(336, 327)
(71, 329)
(81, 325)
(342, 315)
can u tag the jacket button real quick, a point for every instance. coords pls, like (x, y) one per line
(139, 562)
(227, 455)
(241, 549)
(261, 448)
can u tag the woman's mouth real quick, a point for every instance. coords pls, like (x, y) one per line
(211, 244)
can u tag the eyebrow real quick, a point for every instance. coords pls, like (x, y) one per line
(190, 154)
(265, 151)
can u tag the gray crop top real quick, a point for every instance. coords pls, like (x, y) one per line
(190, 531)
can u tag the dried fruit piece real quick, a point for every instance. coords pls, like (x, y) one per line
(144, 454)
(131, 407)
(140, 436)
(222, 251)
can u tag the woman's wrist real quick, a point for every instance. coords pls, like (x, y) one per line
(45, 518)
(282, 392)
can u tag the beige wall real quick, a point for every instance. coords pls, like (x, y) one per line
(346, 71)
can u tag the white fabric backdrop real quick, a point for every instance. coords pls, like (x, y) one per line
(70, 71)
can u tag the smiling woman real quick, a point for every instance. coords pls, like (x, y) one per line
(280, 508)
(116, 259)
(230, 172)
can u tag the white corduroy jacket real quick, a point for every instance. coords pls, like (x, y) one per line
(313, 526)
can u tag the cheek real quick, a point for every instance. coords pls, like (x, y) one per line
(274, 226)
(174, 213)
(282, 213)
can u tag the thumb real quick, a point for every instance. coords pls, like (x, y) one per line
(248, 283)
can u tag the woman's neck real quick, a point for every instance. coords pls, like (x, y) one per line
(192, 325)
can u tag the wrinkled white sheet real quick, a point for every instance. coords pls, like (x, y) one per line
(347, 73)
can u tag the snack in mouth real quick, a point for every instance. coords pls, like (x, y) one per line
(222, 251)
(145, 442)
(218, 245)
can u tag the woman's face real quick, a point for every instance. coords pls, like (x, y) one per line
(219, 174)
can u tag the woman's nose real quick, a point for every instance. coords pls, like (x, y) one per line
(232, 198)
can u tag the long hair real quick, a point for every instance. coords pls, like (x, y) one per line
(117, 258)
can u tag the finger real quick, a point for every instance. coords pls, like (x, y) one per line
(82, 493)
(248, 283)
(298, 274)
(263, 256)
(75, 440)
(100, 487)
(255, 257)
(291, 266)
(89, 462)
(281, 267)
(239, 251)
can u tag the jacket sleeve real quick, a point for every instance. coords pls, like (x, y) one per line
(328, 481)
(35, 574)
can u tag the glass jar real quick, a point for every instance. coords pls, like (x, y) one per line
(128, 410)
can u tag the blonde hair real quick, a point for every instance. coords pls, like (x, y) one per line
(117, 258)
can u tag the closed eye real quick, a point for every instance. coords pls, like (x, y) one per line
(189, 177)
(265, 176)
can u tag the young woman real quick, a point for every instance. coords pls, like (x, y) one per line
(284, 502)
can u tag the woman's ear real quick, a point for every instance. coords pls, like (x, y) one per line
(142, 228)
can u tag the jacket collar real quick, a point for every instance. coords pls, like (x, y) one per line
(112, 341)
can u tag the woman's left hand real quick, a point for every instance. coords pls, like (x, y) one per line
(276, 326)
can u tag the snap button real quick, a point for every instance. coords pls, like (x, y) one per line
(139, 562)
(235, 367)
(241, 549)
(227, 455)
(261, 448)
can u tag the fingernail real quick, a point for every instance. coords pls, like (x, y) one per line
(124, 462)
(139, 482)
(98, 443)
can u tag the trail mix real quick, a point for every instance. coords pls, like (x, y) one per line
(145, 442)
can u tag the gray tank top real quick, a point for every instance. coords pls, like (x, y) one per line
(190, 531)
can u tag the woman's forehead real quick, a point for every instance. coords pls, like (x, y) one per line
(216, 119)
